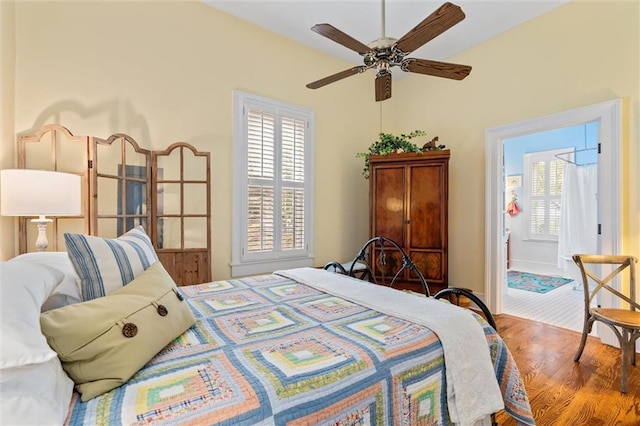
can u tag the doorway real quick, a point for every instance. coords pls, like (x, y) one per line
(550, 183)
(608, 117)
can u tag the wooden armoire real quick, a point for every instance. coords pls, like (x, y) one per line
(408, 203)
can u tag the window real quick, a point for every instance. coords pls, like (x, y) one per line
(544, 177)
(273, 200)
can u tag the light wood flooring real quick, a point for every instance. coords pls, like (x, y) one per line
(562, 392)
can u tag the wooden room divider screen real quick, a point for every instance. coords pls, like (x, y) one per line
(123, 186)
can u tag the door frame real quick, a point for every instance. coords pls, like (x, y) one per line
(608, 115)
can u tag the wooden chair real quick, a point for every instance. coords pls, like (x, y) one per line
(624, 322)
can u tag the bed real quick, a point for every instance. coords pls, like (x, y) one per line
(302, 346)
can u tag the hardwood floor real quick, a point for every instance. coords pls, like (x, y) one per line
(562, 392)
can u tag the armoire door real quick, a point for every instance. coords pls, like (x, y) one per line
(427, 227)
(388, 203)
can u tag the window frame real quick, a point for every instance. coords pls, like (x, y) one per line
(242, 262)
(529, 159)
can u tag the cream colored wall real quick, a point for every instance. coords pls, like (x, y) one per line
(7, 149)
(577, 55)
(165, 71)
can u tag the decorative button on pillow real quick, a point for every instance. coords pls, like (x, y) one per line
(105, 265)
(105, 341)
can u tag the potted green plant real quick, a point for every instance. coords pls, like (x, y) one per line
(389, 143)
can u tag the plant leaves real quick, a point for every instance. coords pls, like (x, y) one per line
(388, 143)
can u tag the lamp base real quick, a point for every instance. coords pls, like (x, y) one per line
(41, 242)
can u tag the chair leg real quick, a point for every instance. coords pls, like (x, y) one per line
(626, 346)
(627, 339)
(586, 329)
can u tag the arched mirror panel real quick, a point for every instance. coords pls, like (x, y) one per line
(122, 174)
(54, 148)
(182, 199)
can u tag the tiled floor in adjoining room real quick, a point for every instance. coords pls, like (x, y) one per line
(562, 307)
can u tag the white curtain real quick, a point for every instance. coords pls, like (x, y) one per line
(578, 215)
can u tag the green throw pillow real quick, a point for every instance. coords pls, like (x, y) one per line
(105, 341)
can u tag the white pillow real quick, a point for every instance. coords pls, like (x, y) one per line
(23, 289)
(37, 394)
(104, 265)
(68, 291)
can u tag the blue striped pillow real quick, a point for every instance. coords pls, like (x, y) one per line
(105, 265)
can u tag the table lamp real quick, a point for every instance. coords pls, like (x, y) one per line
(25, 192)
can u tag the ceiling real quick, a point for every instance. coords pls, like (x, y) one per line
(361, 19)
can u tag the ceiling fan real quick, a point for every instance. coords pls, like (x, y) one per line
(386, 52)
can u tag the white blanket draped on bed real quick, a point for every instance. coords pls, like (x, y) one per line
(472, 388)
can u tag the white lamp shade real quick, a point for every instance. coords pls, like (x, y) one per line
(25, 192)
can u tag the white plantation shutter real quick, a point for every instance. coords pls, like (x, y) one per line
(292, 218)
(537, 197)
(261, 134)
(292, 196)
(260, 224)
(261, 144)
(556, 180)
(272, 188)
(544, 177)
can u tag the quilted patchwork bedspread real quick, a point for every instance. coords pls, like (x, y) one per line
(269, 350)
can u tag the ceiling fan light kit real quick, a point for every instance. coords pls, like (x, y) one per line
(386, 52)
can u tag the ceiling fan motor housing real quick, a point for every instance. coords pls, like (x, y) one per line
(382, 43)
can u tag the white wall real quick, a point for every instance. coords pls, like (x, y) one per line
(531, 256)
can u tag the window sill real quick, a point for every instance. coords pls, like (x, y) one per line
(268, 266)
(539, 240)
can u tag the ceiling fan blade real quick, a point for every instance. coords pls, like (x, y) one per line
(331, 32)
(383, 85)
(445, 17)
(438, 69)
(337, 76)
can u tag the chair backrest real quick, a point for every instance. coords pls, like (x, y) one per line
(621, 262)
